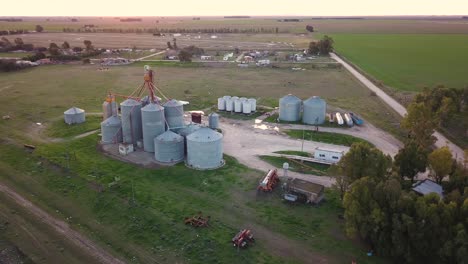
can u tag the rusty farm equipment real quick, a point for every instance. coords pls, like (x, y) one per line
(269, 182)
(197, 220)
(243, 238)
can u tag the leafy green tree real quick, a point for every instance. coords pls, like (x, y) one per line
(54, 49)
(169, 45)
(39, 28)
(411, 160)
(326, 45)
(313, 48)
(440, 161)
(65, 45)
(88, 45)
(185, 56)
(19, 42)
(420, 123)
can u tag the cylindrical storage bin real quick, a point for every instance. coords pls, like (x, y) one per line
(243, 99)
(234, 98)
(221, 104)
(226, 97)
(106, 110)
(213, 120)
(196, 118)
(174, 113)
(131, 121)
(290, 108)
(246, 107)
(205, 149)
(314, 111)
(153, 124)
(229, 105)
(253, 104)
(74, 115)
(111, 130)
(187, 130)
(237, 106)
(169, 147)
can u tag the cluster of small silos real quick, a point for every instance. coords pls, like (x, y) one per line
(161, 129)
(237, 105)
(312, 110)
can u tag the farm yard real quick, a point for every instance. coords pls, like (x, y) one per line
(135, 212)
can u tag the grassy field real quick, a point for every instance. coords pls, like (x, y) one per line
(59, 129)
(326, 137)
(408, 62)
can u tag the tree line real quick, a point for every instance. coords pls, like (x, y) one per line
(176, 30)
(380, 206)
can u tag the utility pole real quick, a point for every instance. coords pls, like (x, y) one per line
(303, 136)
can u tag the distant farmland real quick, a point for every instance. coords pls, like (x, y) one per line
(408, 62)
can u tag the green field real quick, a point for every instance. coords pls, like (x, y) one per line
(297, 166)
(408, 62)
(325, 137)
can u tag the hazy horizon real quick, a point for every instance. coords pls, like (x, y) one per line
(307, 8)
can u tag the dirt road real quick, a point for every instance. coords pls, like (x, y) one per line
(62, 228)
(442, 141)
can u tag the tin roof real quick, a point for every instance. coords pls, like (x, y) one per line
(130, 102)
(290, 99)
(427, 186)
(74, 110)
(152, 107)
(205, 134)
(172, 103)
(113, 120)
(169, 136)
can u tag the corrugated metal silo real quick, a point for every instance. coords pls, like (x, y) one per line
(238, 106)
(234, 98)
(111, 130)
(221, 104)
(226, 97)
(243, 99)
(131, 121)
(153, 124)
(290, 108)
(213, 120)
(169, 147)
(246, 107)
(205, 149)
(253, 104)
(174, 112)
(106, 110)
(74, 115)
(315, 109)
(189, 129)
(229, 105)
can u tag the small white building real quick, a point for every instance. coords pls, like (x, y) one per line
(329, 155)
(206, 57)
(263, 63)
(125, 149)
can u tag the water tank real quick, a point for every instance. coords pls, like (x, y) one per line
(213, 120)
(131, 121)
(243, 99)
(152, 118)
(74, 115)
(174, 112)
(290, 108)
(205, 149)
(253, 104)
(111, 130)
(234, 98)
(169, 147)
(246, 107)
(229, 105)
(238, 106)
(221, 104)
(226, 97)
(314, 112)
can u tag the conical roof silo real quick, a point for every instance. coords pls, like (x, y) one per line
(174, 113)
(315, 109)
(131, 121)
(290, 108)
(153, 124)
(111, 130)
(205, 149)
(169, 147)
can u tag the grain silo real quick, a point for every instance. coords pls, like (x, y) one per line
(238, 106)
(243, 99)
(229, 105)
(187, 130)
(253, 104)
(221, 104)
(153, 124)
(169, 147)
(205, 149)
(106, 110)
(74, 115)
(131, 121)
(174, 112)
(226, 97)
(213, 120)
(246, 107)
(111, 130)
(290, 108)
(314, 112)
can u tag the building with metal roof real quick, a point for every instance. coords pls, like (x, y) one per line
(74, 115)
(428, 186)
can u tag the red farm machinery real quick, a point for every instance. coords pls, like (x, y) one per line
(269, 182)
(243, 238)
(197, 220)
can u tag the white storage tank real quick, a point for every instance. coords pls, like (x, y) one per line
(111, 130)
(205, 149)
(315, 109)
(213, 120)
(174, 113)
(238, 106)
(153, 123)
(169, 147)
(131, 121)
(243, 99)
(290, 108)
(253, 104)
(74, 115)
(221, 104)
(229, 105)
(246, 107)
(226, 97)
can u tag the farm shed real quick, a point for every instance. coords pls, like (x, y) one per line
(329, 155)
(313, 192)
(426, 187)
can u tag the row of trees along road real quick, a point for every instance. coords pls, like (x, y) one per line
(381, 208)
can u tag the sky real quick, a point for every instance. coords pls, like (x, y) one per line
(232, 7)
